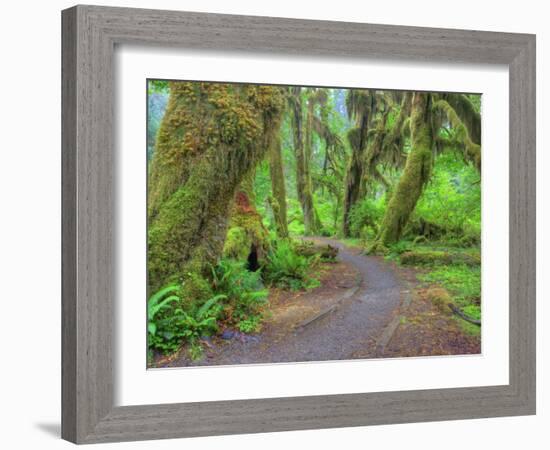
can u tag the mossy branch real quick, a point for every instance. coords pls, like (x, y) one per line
(472, 151)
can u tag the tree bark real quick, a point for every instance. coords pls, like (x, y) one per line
(247, 238)
(278, 199)
(354, 176)
(211, 136)
(415, 175)
(303, 176)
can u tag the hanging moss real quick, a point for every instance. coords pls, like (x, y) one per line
(211, 136)
(415, 175)
(468, 114)
(472, 150)
(360, 104)
(302, 149)
(394, 139)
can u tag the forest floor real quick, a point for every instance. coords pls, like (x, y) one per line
(365, 307)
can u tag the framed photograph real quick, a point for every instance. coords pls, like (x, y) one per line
(278, 224)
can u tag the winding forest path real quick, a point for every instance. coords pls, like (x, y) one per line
(350, 327)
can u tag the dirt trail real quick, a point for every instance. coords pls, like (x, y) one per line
(348, 331)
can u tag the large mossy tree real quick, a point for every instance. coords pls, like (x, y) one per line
(437, 123)
(212, 135)
(415, 175)
(360, 104)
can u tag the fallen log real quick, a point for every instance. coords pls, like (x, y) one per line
(324, 251)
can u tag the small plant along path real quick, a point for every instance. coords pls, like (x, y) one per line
(342, 319)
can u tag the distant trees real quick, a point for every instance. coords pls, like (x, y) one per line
(302, 128)
(277, 200)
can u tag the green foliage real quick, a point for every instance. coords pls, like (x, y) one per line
(238, 299)
(158, 303)
(456, 270)
(474, 311)
(288, 269)
(401, 247)
(452, 201)
(157, 86)
(249, 325)
(168, 325)
(245, 295)
(462, 281)
(365, 216)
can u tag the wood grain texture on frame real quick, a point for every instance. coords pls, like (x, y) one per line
(89, 37)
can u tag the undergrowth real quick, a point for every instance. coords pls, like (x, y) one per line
(457, 270)
(237, 299)
(287, 269)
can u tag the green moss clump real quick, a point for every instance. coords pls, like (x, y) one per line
(247, 232)
(237, 244)
(440, 298)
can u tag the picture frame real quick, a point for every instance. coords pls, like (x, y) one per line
(89, 37)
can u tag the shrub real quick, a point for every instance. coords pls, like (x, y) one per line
(286, 268)
(158, 304)
(169, 325)
(242, 288)
(251, 324)
(400, 247)
(364, 217)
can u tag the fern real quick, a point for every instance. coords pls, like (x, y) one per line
(201, 313)
(154, 308)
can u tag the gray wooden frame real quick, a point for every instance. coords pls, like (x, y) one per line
(89, 36)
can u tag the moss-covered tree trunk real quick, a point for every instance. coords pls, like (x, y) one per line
(415, 175)
(314, 223)
(247, 238)
(357, 138)
(211, 136)
(303, 180)
(277, 200)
